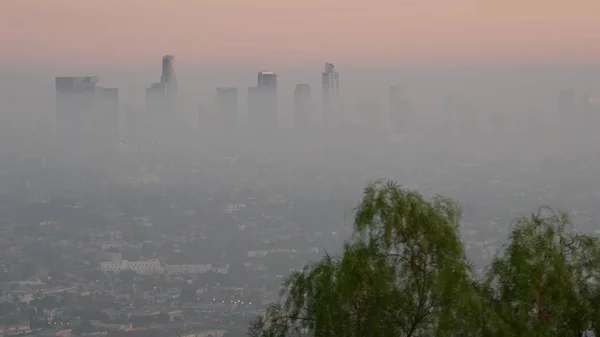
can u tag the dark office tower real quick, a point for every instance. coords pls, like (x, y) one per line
(302, 106)
(227, 107)
(163, 97)
(111, 116)
(566, 102)
(400, 111)
(77, 111)
(331, 94)
(168, 79)
(267, 80)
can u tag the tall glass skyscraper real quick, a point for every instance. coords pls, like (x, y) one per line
(168, 78)
(331, 93)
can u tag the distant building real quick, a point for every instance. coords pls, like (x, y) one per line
(19, 329)
(85, 112)
(223, 269)
(330, 81)
(262, 102)
(188, 269)
(267, 89)
(141, 267)
(168, 78)
(257, 253)
(302, 106)
(161, 104)
(227, 106)
(267, 80)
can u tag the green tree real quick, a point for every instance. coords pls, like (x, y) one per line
(545, 281)
(403, 273)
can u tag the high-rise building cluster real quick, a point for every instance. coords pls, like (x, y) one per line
(262, 104)
(89, 114)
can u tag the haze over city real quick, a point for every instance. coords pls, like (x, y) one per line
(164, 166)
(291, 33)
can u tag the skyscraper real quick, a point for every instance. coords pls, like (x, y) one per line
(331, 93)
(77, 110)
(227, 106)
(160, 96)
(262, 101)
(168, 79)
(161, 104)
(302, 106)
(267, 80)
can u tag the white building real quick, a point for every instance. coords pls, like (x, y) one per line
(110, 245)
(257, 253)
(110, 267)
(281, 250)
(190, 269)
(221, 269)
(140, 267)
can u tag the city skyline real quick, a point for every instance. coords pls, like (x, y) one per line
(391, 33)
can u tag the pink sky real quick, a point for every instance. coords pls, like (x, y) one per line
(299, 32)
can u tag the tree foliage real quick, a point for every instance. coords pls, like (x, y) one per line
(404, 273)
(399, 275)
(545, 282)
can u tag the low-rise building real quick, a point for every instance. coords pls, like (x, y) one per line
(141, 267)
(257, 253)
(188, 269)
(221, 269)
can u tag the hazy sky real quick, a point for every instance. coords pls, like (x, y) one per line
(299, 32)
